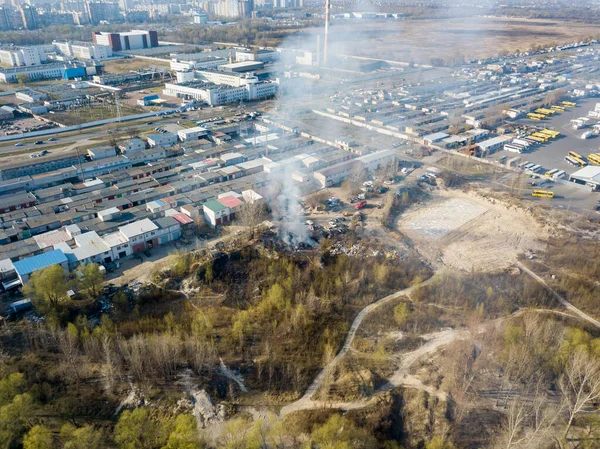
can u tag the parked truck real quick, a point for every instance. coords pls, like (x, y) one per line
(17, 307)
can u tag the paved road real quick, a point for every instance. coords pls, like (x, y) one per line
(584, 316)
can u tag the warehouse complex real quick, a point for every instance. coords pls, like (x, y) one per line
(126, 199)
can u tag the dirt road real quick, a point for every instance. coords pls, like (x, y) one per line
(306, 402)
(401, 376)
(584, 316)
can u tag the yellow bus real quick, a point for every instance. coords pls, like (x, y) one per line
(534, 116)
(545, 111)
(558, 108)
(573, 154)
(543, 193)
(594, 159)
(579, 161)
(536, 139)
(568, 104)
(549, 132)
(544, 137)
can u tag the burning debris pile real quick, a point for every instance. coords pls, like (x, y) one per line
(274, 241)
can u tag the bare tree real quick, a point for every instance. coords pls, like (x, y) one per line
(530, 417)
(579, 384)
(251, 215)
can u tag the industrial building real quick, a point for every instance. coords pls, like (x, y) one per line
(192, 133)
(208, 63)
(63, 70)
(25, 268)
(162, 140)
(24, 56)
(262, 55)
(129, 40)
(242, 67)
(215, 95)
(589, 176)
(84, 50)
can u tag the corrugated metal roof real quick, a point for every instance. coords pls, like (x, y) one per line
(214, 205)
(31, 264)
(230, 201)
(138, 228)
(182, 218)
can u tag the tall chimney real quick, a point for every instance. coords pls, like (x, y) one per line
(327, 8)
(318, 62)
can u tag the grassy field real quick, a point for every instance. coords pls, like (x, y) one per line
(125, 65)
(422, 40)
(99, 112)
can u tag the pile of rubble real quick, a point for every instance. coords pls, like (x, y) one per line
(365, 251)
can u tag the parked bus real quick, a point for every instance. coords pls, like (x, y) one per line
(550, 174)
(549, 132)
(513, 148)
(536, 139)
(544, 137)
(558, 108)
(594, 159)
(543, 193)
(535, 116)
(571, 161)
(568, 104)
(560, 174)
(578, 161)
(574, 155)
(546, 111)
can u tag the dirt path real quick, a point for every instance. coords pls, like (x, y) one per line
(401, 377)
(306, 401)
(584, 316)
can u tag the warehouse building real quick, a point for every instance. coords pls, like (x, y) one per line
(129, 40)
(241, 67)
(262, 55)
(26, 267)
(217, 95)
(589, 176)
(195, 133)
(162, 140)
(84, 50)
(489, 146)
(63, 70)
(216, 213)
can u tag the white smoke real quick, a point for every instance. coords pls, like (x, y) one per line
(286, 209)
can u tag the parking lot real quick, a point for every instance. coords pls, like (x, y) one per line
(552, 154)
(21, 125)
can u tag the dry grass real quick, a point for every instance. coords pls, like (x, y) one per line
(421, 40)
(126, 65)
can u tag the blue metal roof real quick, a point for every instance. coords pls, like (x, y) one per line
(31, 264)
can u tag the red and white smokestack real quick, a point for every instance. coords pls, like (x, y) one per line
(327, 8)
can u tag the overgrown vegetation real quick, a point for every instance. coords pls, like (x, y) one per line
(274, 317)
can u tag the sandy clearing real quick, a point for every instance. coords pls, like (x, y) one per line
(467, 232)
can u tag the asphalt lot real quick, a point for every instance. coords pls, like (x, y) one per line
(552, 154)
